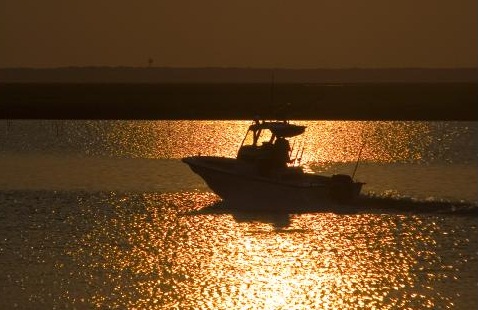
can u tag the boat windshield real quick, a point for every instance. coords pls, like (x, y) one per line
(264, 136)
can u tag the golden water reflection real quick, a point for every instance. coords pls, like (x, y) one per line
(146, 252)
(323, 141)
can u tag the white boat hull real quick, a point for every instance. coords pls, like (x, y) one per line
(249, 190)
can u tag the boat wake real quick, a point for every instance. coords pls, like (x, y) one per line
(414, 206)
(365, 204)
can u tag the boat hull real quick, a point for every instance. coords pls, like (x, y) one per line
(247, 190)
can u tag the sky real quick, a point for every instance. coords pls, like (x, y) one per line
(245, 33)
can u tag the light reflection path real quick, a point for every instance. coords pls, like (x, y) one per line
(324, 141)
(145, 251)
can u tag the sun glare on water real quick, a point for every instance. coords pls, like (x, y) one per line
(322, 142)
(104, 215)
(157, 254)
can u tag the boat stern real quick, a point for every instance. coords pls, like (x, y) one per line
(342, 188)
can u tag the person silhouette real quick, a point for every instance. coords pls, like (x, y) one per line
(281, 152)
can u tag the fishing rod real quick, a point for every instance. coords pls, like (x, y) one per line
(300, 158)
(358, 159)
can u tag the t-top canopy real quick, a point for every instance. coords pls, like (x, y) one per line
(279, 129)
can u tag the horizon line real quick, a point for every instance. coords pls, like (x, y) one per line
(236, 68)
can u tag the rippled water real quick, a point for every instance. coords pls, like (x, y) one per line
(104, 215)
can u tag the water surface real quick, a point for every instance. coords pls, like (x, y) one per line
(102, 214)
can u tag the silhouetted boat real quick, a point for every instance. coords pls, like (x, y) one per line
(265, 176)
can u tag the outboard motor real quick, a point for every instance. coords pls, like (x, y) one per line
(341, 187)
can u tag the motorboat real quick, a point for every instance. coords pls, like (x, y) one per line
(265, 174)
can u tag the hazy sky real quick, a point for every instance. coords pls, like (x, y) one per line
(239, 33)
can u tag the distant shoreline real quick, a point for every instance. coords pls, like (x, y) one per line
(222, 101)
(235, 75)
